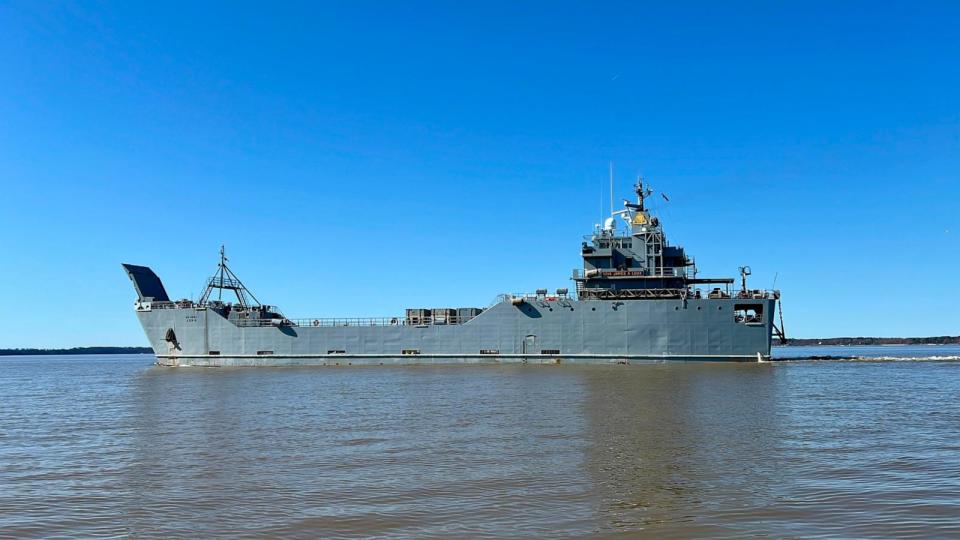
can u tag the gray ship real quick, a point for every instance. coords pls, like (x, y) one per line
(637, 298)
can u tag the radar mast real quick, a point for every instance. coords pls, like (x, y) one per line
(225, 279)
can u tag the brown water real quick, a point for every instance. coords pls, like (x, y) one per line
(110, 446)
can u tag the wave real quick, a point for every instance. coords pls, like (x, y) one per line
(855, 358)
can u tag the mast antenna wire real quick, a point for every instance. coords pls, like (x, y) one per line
(611, 188)
(601, 204)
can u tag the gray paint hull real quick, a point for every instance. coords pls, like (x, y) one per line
(587, 331)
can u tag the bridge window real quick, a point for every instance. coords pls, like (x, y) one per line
(748, 313)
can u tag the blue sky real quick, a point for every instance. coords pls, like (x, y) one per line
(358, 158)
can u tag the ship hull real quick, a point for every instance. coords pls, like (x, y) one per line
(535, 332)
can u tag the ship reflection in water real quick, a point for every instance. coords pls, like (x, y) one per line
(680, 448)
(106, 446)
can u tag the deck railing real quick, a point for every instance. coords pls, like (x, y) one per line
(426, 321)
(326, 322)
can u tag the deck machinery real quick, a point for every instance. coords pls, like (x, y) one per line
(636, 298)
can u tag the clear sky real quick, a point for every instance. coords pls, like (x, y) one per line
(360, 158)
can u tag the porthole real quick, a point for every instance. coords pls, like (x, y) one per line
(593, 309)
(551, 309)
(676, 308)
(719, 308)
(699, 308)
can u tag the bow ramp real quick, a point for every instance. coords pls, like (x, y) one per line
(145, 281)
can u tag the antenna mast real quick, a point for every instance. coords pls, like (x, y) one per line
(224, 278)
(223, 264)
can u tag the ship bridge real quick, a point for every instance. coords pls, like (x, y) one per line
(639, 263)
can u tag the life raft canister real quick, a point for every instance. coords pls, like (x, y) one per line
(316, 322)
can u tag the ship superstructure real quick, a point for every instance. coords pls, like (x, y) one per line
(637, 297)
(639, 264)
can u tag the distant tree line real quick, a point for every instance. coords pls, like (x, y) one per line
(936, 340)
(77, 350)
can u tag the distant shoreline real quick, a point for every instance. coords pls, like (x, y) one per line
(76, 350)
(936, 340)
(793, 342)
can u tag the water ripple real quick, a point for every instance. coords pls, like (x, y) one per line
(111, 447)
